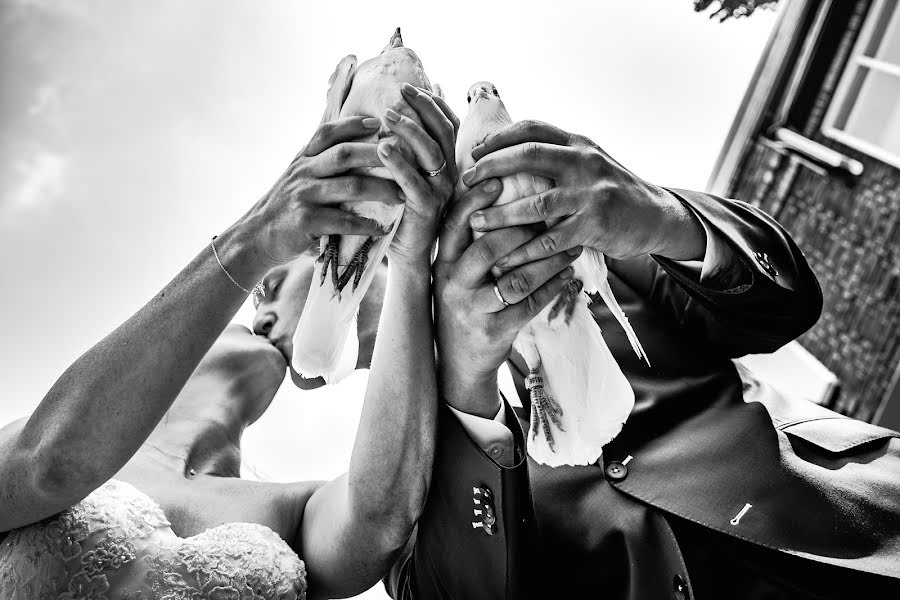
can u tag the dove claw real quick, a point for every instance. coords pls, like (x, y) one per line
(567, 299)
(354, 270)
(544, 409)
(329, 257)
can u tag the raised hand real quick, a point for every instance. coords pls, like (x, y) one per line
(425, 196)
(474, 328)
(303, 203)
(596, 202)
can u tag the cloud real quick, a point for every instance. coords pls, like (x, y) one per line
(46, 98)
(42, 179)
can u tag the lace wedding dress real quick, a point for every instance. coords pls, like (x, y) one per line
(116, 544)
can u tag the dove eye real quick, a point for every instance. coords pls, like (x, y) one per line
(469, 99)
(496, 93)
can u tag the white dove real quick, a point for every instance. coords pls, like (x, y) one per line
(325, 342)
(579, 397)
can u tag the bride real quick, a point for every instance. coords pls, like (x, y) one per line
(124, 482)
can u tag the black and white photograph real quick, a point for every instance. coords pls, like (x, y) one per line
(450, 301)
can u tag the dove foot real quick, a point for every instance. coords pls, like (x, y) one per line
(544, 409)
(566, 300)
(330, 259)
(353, 270)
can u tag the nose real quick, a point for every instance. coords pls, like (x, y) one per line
(263, 322)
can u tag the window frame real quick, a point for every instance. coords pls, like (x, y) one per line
(838, 103)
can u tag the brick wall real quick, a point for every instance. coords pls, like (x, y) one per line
(851, 236)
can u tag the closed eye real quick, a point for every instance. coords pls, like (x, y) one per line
(272, 288)
(269, 291)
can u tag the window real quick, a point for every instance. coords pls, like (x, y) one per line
(865, 111)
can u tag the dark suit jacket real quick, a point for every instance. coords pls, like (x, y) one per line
(728, 489)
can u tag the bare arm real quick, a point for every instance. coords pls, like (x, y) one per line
(105, 405)
(354, 527)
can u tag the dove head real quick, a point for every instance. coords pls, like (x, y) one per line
(484, 95)
(487, 114)
(375, 87)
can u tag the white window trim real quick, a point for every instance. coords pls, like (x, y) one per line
(856, 60)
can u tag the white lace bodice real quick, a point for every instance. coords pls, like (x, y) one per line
(117, 544)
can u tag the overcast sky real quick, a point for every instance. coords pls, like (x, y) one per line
(134, 131)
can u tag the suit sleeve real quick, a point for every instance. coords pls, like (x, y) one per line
(768, 296)
(454, 555)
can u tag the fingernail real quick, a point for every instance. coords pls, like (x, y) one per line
(409, 88)
(491, 185)
(371, 123)
(468, 176)
(567, 273)
(574, 251)
(385, 149)
(391, 115)
(477, 221)
(476, 150)
(401, 195)
(503, 261)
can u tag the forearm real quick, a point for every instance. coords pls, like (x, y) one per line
(392, 456)
(105, 405)
(763, 295)
(354, 526)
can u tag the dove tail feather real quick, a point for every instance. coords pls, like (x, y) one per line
(592, 268)
(607, 294)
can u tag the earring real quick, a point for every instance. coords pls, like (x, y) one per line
(258, 292)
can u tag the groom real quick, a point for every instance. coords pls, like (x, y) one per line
(716, 487)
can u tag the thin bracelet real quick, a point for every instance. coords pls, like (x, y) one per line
(224, 270)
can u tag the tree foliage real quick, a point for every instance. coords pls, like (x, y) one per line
(726, 9)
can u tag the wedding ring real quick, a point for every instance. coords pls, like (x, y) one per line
(437, 171)
(499, 295)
